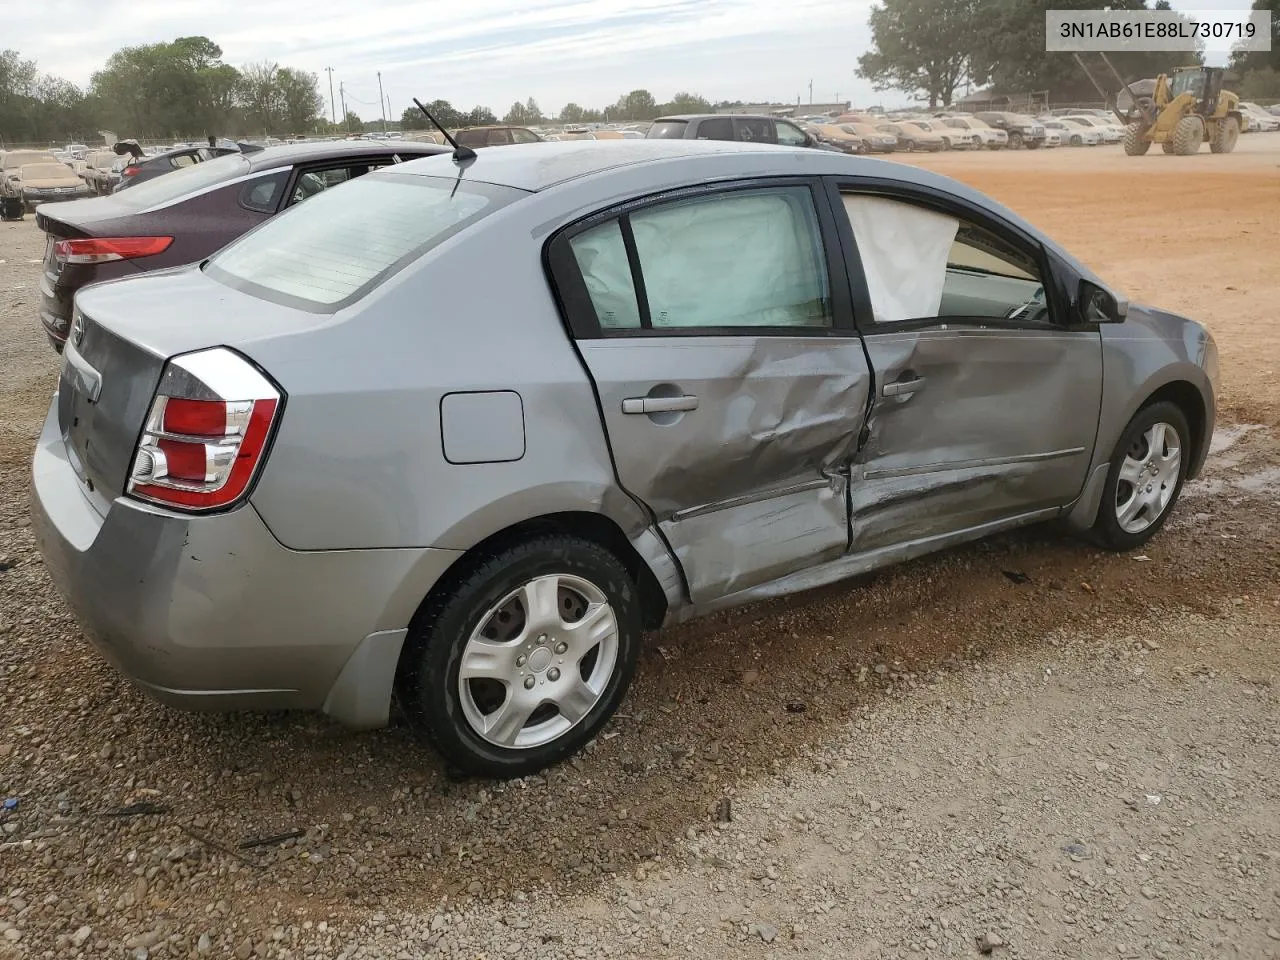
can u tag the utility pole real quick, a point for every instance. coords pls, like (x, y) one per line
(333, 111)
(346, 118)
(811, 93)
(389, 113)
(383, 104)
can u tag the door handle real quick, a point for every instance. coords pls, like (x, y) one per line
(659, 404)
(903, 387)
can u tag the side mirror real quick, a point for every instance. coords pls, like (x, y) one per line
(1099, 305)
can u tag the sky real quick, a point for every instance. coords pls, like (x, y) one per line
(488, 52)
(493, 52)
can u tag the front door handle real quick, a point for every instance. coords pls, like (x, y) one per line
(659, 404)
(903, 387)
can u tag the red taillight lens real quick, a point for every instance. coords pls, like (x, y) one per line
(130, 171)
(203, 454)
(103, 249)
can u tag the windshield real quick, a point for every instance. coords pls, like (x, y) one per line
(1192, 81)
(179, 183)
(18, 158)
(330, 251)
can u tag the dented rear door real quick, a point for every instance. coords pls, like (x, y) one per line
(716, 328)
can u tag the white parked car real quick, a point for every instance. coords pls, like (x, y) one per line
(1052, 138)
(1259, 120)
(1110, 132)
(988, 136)
(1072, 133)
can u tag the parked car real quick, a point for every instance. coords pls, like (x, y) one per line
(1021, 130)
(846, 141)
(1073, 133)
(11, 164)
(913, 135)
(1110, 132)
(738, 127)
(144, 167)
(49, 181)
(1265, 122)
(1052, 138)
(99, 166)
(877, 140)
(316, 467)
(184, 217)
(494, 136)
(988, 136)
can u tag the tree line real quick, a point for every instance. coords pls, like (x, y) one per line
(636, 105)
(934, 48)
(180, 89)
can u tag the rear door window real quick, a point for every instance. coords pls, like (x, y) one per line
(499, 138)
(716, 128)
(667, 130)
(754, 130)
(329, 252)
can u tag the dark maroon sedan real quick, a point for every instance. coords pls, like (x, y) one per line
(186, 215)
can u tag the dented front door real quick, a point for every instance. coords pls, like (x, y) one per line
(738, 444)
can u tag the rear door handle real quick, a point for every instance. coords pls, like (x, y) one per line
(903, 387)
(659, 404)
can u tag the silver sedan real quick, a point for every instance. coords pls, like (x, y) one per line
(459, 430)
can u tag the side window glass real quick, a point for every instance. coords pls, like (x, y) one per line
(523, 136)
(263, 194)
(602, 257)
(716, 128)
(499, 138)
(742, 259)
(753, 131)
(311, 182)
(920, 263)
(183, 160)
(790, 135)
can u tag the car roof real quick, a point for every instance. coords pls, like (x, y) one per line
(686, 117)
(290, 153)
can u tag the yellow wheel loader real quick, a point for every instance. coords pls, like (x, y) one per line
(1183, 112)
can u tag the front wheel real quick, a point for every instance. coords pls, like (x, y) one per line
(1145, 477)
(1136, 141)
(522, 661)
(1015, 141)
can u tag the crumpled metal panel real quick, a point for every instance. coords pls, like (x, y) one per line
(745, 487)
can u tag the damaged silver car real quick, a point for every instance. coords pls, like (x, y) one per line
(456, 432)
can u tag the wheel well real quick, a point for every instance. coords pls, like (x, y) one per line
(589, 526)
(1188, 400)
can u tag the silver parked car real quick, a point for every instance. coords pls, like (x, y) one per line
(460, 431)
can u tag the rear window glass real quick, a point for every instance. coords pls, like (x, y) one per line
(667, 130)
(323, 254)
(179, 183)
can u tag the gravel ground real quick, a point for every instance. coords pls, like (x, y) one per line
(1024, 747)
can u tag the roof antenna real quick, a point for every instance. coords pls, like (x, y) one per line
(461, 154)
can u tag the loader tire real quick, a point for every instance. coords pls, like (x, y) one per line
(1167, 146)
(1188, 135)
(1223, 136)
(1135, 143)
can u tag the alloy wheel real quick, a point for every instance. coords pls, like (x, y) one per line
(1148, 477)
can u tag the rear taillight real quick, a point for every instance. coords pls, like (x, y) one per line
(206, 434)
(104, 249)
(130, 171)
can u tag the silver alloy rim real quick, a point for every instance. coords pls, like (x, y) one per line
(1148, 477)
(539, 661)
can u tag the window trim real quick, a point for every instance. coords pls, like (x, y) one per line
(939, 201)
(579, 314)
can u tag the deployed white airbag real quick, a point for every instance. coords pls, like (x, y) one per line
(904, 250)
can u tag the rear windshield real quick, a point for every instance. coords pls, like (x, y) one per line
(170, 186)
(11, 161)
(46, 171)
(667, 130)
(333, 249)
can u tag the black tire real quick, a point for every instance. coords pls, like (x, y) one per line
(1076, 140)
(1167, 147)
(1135, 139)
(1188, 135)
(946, 143)
(1034, 144)
(427, 679)
(1015, 140)
(1224, 135)
(1107, 531)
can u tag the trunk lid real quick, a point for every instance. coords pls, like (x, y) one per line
(116, 354)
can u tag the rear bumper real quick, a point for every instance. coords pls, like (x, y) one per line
(213, 613)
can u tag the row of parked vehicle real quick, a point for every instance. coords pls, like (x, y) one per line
(458, 426)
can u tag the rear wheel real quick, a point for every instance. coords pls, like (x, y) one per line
(1015, 141)
(523, 661)
(1167, 146)
(1077, 140)
(1135, 140)
(1188, 135)
(1223, 136)
(1145, 477)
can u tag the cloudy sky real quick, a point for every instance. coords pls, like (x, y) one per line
(492, 52)
(488, 52)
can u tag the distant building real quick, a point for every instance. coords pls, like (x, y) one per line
(986, 99)
(787, 109)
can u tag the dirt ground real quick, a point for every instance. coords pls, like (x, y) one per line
(1024, 744)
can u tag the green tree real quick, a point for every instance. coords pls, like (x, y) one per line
(1260, 84)
(299, 98)
(685, 102)
(518, 114)
(636, 105)
(922, 46)
(533, 112)
(479, 117)
(1261, 59)
(571, 113)
(352, 122)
